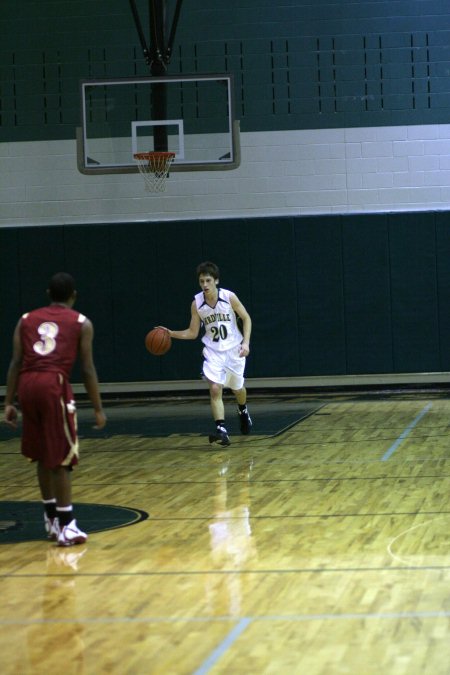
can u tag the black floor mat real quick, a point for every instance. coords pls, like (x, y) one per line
(24, 521)
(269, 418)
(151, 419)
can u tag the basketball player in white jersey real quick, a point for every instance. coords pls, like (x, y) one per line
(225, 347)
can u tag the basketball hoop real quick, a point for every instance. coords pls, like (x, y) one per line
(154, 166)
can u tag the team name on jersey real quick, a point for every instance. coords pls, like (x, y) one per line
(218, 316)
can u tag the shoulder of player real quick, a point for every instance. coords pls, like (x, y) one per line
(197, 302)
(225, 294)
(233, 299)
(85, 322)
(76, 316)
(82, 318)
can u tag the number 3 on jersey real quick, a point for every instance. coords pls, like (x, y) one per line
(48, 332)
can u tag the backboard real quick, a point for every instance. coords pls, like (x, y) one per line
(190, 115)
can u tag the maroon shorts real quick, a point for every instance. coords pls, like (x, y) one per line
(49, 419)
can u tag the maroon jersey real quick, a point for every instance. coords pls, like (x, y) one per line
(50, 337)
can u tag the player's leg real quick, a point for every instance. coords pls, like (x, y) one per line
(46, 486)
(69, 531)
(218, 413)
(214, 372)
(241, 396)
(216, 401)
(236, 364)
(56, 490)
(33, 445)
(59, 429)
(245, 421)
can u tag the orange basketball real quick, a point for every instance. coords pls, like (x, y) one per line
(158, 341)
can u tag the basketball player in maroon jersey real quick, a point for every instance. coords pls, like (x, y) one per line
(46, 343)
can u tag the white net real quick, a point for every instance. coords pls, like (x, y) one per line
(154, 167)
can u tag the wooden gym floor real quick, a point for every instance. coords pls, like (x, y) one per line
(318, 545)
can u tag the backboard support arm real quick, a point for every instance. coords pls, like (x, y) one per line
(140, 32)
(157, 55)
(156, 27)
(173, 29)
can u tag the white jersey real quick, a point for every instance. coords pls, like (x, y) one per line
(220, 322)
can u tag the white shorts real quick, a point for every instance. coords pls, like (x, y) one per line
(225, 368)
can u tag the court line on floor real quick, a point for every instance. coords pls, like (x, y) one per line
(406, 433)
(240, 627)
(237, 630)
(226, 643)
(402, 534)
(242, 622)
(232, 572)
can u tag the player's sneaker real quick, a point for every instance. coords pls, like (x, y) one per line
(51, 527)
(220, 437)
(70, 534)
(245, 421)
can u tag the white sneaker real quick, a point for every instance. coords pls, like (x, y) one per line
(51, 527)
(70, 535)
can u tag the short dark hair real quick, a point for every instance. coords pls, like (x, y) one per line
(208, 268)
(61, 287)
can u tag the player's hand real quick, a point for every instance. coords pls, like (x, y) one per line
(244, 349)
(11, 416)
(166, 329)
(100, 419)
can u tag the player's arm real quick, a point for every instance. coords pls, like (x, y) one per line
(240, 310)
(12, 378)
(188, 333)
(89, 372)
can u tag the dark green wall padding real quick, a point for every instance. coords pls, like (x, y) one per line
(302, 64)
(328, 295)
